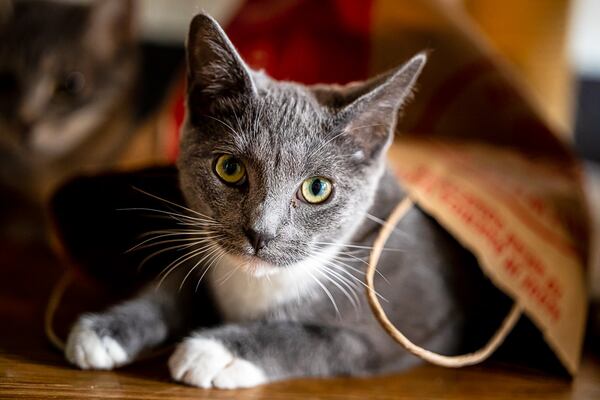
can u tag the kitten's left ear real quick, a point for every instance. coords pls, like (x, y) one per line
(369, 110)
(215, 69)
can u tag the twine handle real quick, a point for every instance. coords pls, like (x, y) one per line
(54, 300)
(438, 359)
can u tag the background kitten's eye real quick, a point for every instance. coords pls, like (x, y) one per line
(230, 169)
(72, 84)
(316, 190)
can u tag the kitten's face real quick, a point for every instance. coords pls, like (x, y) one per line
(282, 140)
(62, 68)
(285, 170)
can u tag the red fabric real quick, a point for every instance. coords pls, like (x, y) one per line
(175, 122)
(306, 41)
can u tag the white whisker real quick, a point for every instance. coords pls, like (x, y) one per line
(327, 293)
(385, 223)
(170, 213)
(214, 248)
(225, 124)
(214, 260)
(161, 251)
(353, 300)
(186, 257)
(357, 246)
(363, 127)
(195, 242)
(360, 282)
(231, 273)
(322, 146)
(187, 237)
(174, 204)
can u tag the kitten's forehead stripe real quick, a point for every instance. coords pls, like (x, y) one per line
(281, 140)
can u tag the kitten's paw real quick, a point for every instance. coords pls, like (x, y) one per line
(207, 363)
(239, 374)
(87, 350)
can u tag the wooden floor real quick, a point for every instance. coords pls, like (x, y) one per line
(31, 368)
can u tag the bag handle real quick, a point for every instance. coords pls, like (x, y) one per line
(438, 359)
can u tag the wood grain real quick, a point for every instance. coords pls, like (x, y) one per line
(31, 369)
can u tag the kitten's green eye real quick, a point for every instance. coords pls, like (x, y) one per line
(230, 169)
(316, 190)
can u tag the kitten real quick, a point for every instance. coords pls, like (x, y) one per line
(66, 78)
(287, 183)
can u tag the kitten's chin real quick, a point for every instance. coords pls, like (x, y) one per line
(254, 266)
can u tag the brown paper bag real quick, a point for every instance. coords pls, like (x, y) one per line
(475, 154)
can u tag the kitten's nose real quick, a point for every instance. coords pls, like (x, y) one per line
(258, 240)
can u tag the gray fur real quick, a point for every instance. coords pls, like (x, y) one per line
(284, 133)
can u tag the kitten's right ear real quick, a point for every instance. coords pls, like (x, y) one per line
(215, 69)
(368, 111)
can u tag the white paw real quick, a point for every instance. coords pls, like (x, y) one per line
(239, 374)
(207, 363)
(89, 351)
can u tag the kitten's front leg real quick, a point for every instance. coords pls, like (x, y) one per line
(116, 336)
(251, 354)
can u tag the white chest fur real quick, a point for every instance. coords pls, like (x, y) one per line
(242, 295)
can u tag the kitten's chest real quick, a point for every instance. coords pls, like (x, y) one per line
(243, 296)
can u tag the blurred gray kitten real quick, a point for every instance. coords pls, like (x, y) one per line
(287, 186)
(67, 73)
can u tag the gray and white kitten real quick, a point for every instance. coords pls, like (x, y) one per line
(287, 184)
